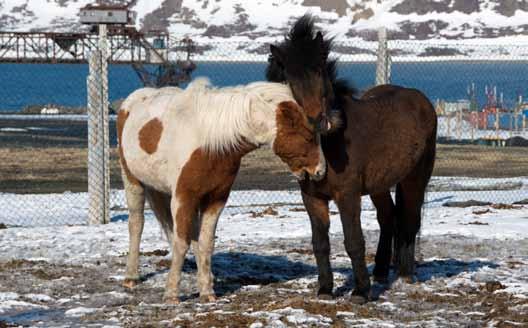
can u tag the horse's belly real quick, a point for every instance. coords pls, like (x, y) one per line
(151, 171)
(392, 167)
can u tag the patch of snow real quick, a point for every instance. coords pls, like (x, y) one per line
(8, 296)
(79, 311)
(251, 287)
(9, 305)
(388, 306)
(300, 316)
(39, 298)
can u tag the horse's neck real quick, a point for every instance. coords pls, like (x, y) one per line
(263, 122)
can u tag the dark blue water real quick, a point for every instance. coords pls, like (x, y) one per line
(22, 85)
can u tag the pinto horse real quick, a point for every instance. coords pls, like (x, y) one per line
(181, 151)
(387, 138)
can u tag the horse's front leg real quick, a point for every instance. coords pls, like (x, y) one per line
(135, 197)
(349, 205)
(203, 245)
(183, 211)
(320, 221)
(386, 213)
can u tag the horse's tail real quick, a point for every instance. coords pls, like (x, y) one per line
(160, 205)
(428, 158)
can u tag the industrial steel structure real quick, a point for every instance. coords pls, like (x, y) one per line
(148, 52)
(126, 46)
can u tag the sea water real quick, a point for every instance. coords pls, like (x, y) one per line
(23, 85)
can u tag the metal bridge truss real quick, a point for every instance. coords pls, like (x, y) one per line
(126, 46)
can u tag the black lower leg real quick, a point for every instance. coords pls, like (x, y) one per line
(383, 257)
(322, 257)
(405, 260)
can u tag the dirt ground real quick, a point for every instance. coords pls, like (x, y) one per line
(48, 156)
(58, 169)
(276, 281)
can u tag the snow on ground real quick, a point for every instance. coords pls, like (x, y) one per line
(473, 272)
(78, 244)
(71, 208)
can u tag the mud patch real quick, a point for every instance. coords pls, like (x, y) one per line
(157, 252)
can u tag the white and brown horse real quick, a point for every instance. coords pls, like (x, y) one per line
(181, 150)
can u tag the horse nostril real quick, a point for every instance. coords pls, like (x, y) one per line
(319, 174)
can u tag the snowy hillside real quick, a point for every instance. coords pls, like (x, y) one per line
(236, 19)
(241, 30)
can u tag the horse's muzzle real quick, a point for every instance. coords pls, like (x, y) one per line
(318, 175)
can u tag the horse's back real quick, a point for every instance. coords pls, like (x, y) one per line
(402, 101)
(156, 138)
(388, 133)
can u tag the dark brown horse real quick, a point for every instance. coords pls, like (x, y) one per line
(387, 138)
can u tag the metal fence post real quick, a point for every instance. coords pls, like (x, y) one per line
(98, 133)
(383, 64)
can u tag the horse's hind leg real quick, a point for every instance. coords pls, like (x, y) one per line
(410, 194)
(386, 213)
(135, 197)
(183, 211)
(409, 200)
(203, 242)
(319, 218)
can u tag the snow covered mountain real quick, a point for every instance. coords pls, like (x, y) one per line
(252, 19)
(426, 28)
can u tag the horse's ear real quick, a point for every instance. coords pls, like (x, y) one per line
(277, 54)
(319, 37)
(289, 113)
(320, 42)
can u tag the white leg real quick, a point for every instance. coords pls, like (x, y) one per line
(135, 196)
(203, 249)
(183, 212)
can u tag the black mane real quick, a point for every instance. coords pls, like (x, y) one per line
(341, 87)
(302, 49)
(301, 45)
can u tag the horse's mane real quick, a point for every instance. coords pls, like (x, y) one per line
(224, 114)
(342, 88)
(301, 48)
(300, 43)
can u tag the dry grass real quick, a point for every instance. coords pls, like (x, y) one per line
(481, 161)
(57, 169)
(45, 170)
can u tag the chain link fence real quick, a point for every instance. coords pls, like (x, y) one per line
(478, 92)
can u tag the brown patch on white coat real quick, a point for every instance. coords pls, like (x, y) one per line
(149, 135)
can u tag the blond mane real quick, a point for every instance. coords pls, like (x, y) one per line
(226, 115)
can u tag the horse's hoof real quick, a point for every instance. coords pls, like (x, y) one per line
(325, 296)
(408, 279)
(358, 299)
(131, 283)
(383, 280)
(207, 299)
(360, 296)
